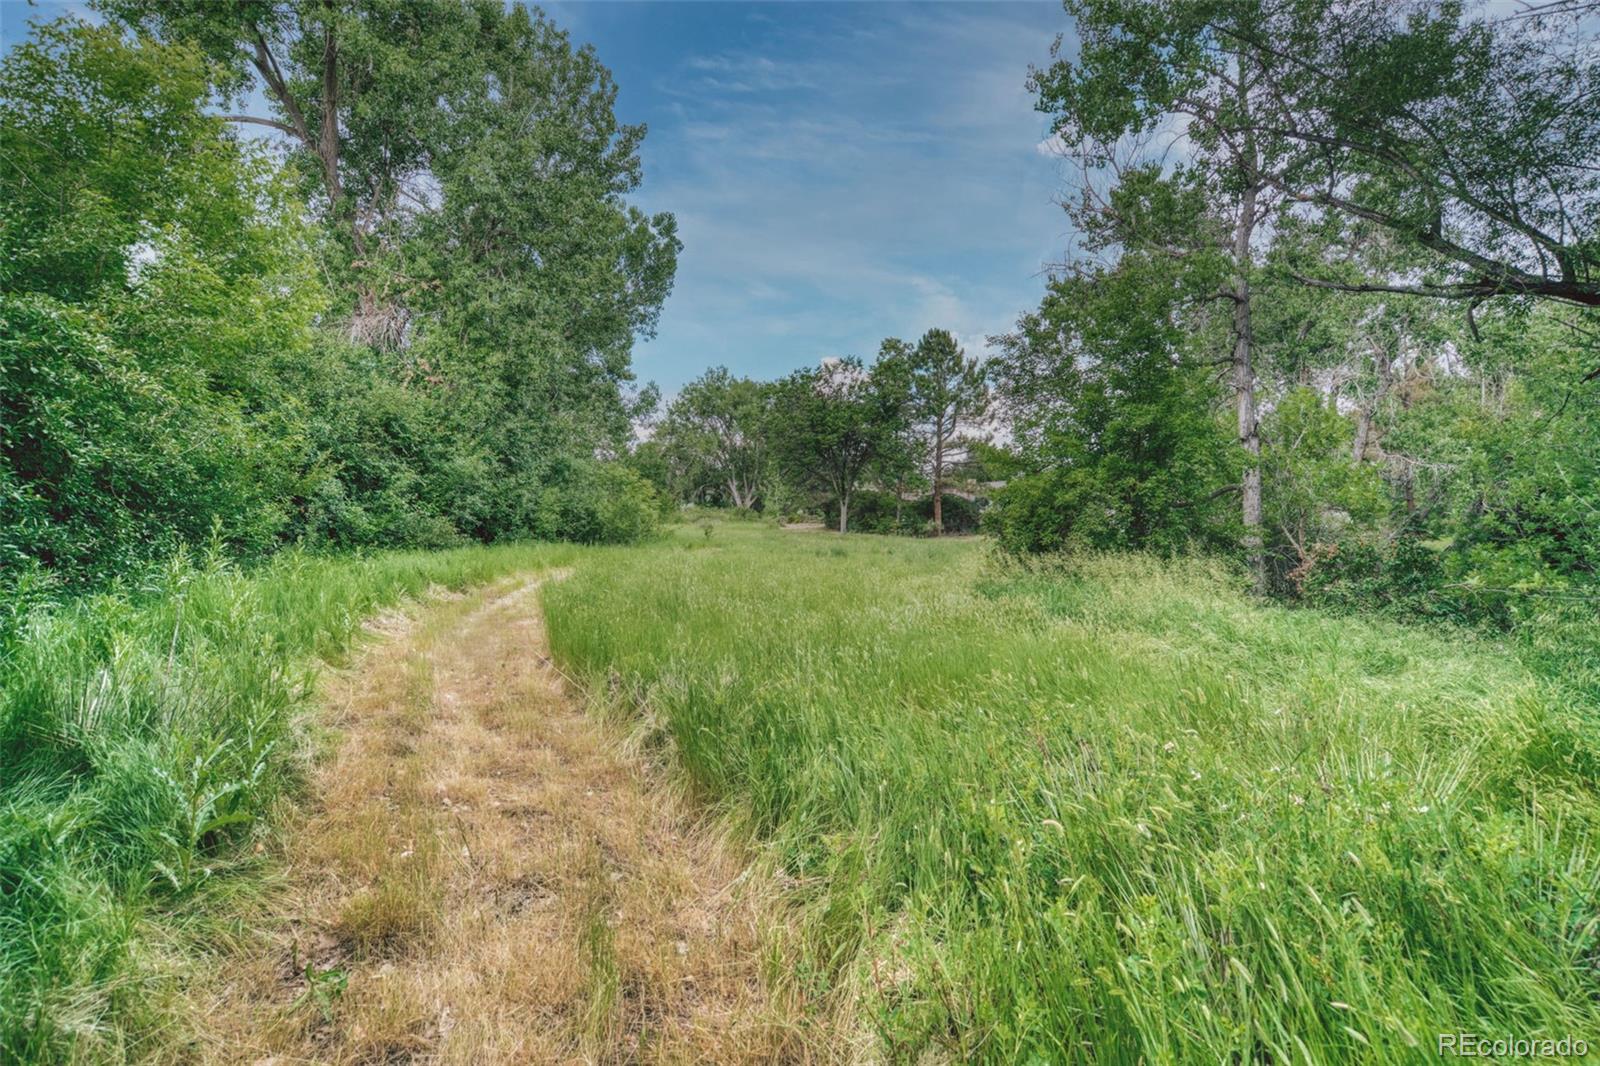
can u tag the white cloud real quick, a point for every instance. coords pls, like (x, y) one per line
(1052, 146)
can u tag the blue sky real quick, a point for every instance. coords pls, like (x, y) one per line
(841, 172)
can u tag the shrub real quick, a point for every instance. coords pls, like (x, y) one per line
(597, 503)
(960, 514)
(872, 511)
(1044, 512)
(1094, 507)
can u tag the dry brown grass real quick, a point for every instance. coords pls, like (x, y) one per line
(493, 879)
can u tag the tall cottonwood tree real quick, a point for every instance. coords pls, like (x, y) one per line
(1467, 130)
(1140, 71)
(1467, 136)
(949, 394)
(473, 176)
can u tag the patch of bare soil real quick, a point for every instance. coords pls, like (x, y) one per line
(484, 876)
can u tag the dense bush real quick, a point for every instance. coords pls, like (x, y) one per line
(597, 503)
(960, 515)
(154, 277)
(173, 357)
(874, 511)
(1401, 578)
(1066, 508)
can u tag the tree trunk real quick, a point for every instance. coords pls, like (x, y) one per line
(328, 136)
(1244, 386)
(938, 485)
(1244, 381)
(1366, 413)
(844, 512)
(1358, 449)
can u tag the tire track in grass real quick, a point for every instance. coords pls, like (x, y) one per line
(484, 877)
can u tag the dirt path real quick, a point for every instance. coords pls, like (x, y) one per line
(485, 877)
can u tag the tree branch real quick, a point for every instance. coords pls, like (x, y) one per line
(282, 127)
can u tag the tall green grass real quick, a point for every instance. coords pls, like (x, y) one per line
(1115, 811)
(143, 736)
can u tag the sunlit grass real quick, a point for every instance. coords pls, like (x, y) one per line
(143, 738)
(1106, 811)
(1113, 811)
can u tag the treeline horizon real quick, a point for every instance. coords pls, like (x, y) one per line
(1346, 334)
(1332, 314)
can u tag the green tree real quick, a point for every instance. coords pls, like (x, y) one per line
(1464, 137)
(1462, 129)
(156, 283)
(899, 464)
(717, 431)
(949, 394)
(1138, 69)
(837, 421)
(473, 177)
(1114, 419)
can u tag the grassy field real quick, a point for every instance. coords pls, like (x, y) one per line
(143, 739)
(1111, 812)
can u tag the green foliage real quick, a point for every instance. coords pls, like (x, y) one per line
(838, 421)
(170, 356)
(949, 393)
(1313, 490)
(597, 503)
(1116, 429)
(143, 737)
(717, 439)
(1459, 129)
(1493, 524)
(986, 461)
(471, 175)
(1114, 811)
(155, 281)
(873, 511)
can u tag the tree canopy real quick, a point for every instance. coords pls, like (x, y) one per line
(406, 321)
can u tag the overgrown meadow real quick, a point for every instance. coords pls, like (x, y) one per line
(145, 735)
(1112, 811)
